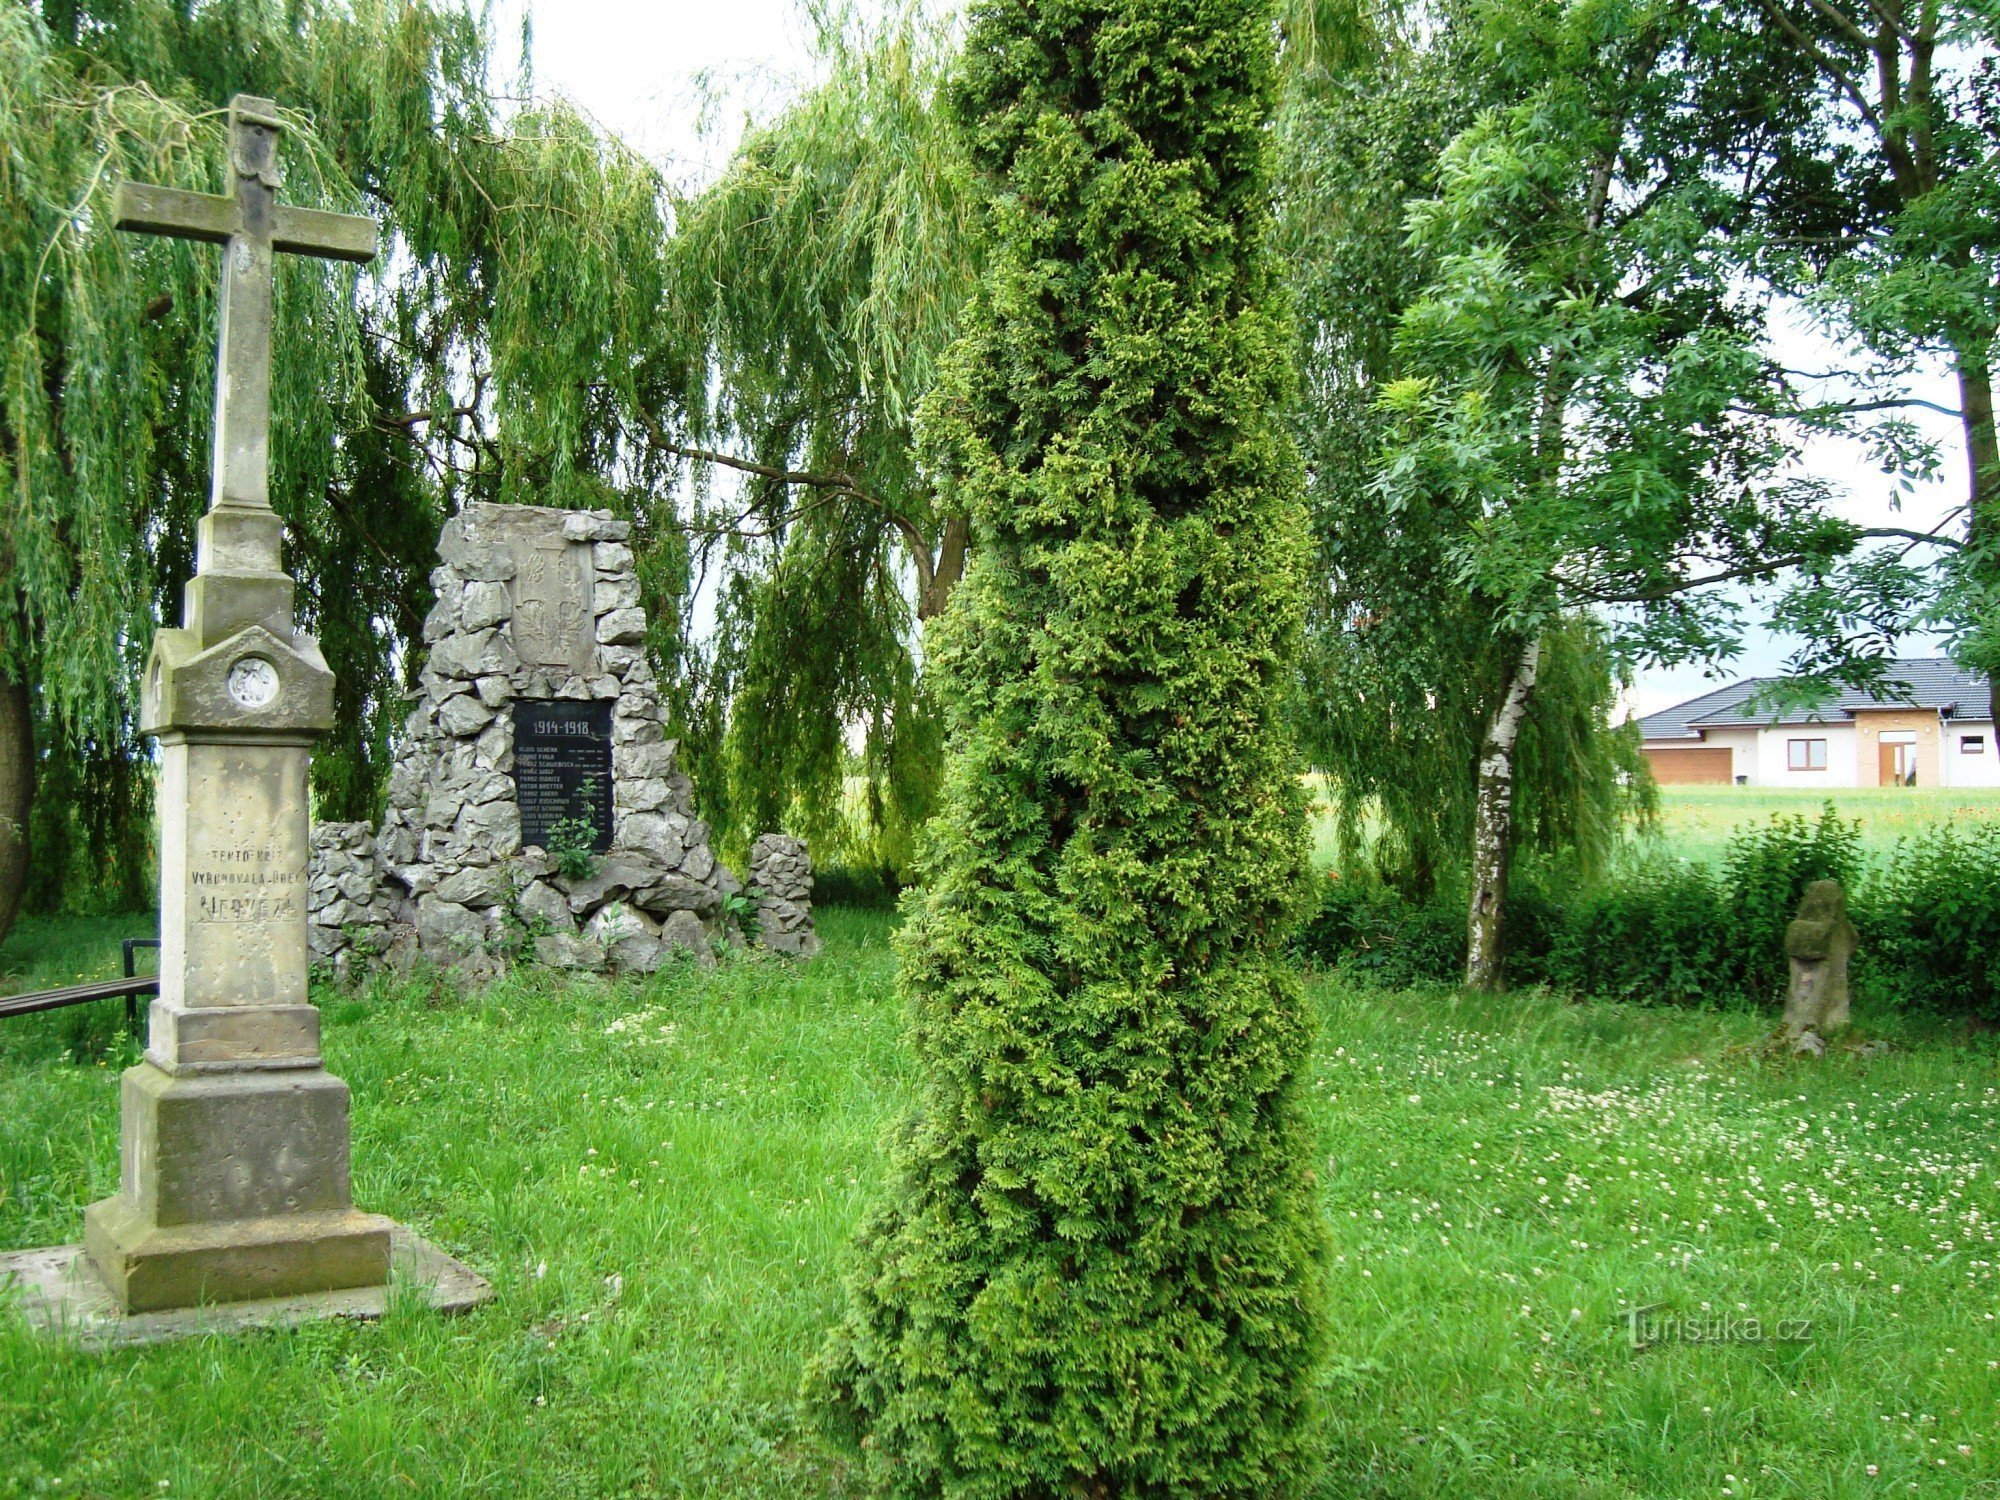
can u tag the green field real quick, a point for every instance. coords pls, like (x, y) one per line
(1698, 820)
(660, 1179)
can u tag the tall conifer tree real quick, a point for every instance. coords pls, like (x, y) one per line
(1099, 1269)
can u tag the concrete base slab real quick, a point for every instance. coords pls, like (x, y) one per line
(60, 1293)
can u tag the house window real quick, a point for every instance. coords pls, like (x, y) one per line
(1805, 755)
(1972, 744)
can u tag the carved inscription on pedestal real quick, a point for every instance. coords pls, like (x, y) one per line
(248, 883)
(562, 769)
(234, 847)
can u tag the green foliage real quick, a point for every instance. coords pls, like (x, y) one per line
(1583, 411)
(572, 846)
(91, 825)
(1456, 144)
(1661, 931)
(1100, 1269)
(822, 278)
(1380, 935)
(1666, 929)
(1881, 209)
(1765, 871)
(1397, 732)
(740, 908)
(1932, 923)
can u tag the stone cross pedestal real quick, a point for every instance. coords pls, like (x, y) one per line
(234, 1137)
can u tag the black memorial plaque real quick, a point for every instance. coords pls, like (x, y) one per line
(562, 767)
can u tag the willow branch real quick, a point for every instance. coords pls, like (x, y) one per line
(410, 419)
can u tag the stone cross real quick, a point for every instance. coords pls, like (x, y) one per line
(252, 227)
(234, 1137)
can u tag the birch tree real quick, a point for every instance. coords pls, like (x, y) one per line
(1586, 419)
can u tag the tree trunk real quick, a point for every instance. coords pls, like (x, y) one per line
(17, 795)
(1982, 457)
(949, 568)
(1982, 447)
(1493, 827)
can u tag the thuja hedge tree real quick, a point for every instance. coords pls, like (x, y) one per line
(1099, 1269)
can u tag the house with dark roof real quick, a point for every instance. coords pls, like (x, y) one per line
(1932, 725)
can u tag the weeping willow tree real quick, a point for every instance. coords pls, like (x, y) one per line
(821, 278)
(506, 348)
(1395, 721)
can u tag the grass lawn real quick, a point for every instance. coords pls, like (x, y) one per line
(660, 1180)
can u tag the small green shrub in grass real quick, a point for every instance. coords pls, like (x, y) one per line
(1659, 931)
(1100, 1268)
(1373, 933)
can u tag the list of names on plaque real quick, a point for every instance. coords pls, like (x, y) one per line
(562, 767)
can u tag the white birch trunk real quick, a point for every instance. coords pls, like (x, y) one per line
(1493, 825)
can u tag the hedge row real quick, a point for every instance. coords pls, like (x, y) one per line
(1670, 930)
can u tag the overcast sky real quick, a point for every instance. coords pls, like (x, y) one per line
(646, 68)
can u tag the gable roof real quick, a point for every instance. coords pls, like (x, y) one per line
(1933, 682)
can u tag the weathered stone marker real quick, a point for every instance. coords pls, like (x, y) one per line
(1819, 942)
(234, 1179)
(234, 1137)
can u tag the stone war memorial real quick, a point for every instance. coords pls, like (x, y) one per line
(536, 808)
(233, 1186)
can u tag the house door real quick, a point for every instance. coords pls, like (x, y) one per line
(1898, 765)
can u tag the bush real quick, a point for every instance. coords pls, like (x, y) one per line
(856, 885)
(1765, 872)
(1673, 931)
(1376, 933)
(1930, 924)
(1661, 932)
(1099, 1267)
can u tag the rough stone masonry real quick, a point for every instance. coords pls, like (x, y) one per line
(781, 874)
(539, 730)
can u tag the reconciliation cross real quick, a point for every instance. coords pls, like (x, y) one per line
(251, 225)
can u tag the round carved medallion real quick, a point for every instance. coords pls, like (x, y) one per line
(253, 682)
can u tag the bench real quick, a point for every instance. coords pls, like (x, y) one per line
(132, 986)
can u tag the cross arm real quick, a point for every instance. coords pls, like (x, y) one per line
(150, 209)
(312, 231)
